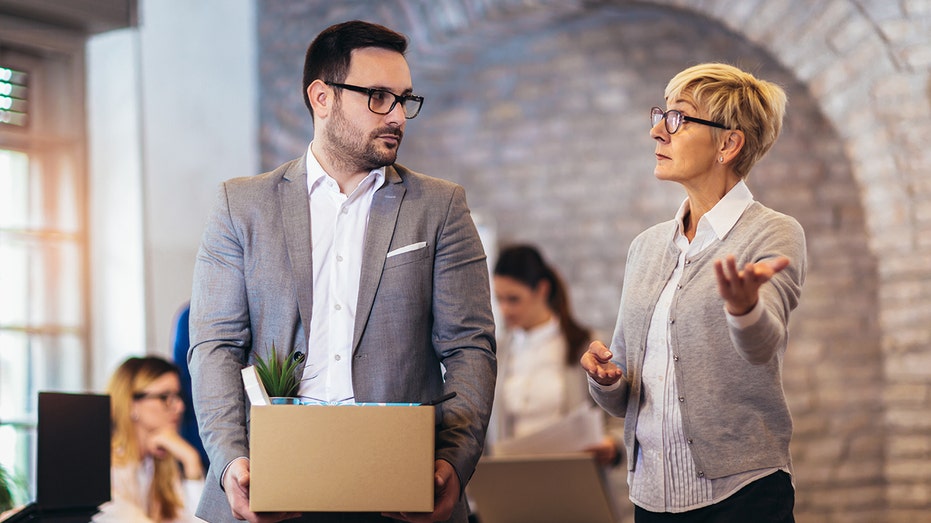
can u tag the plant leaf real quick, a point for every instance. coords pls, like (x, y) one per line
(277, 376)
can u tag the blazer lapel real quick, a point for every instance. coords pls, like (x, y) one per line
(383, 217)
(295, 214)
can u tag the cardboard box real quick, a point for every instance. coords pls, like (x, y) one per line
(348, 458)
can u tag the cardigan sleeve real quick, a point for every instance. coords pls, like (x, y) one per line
(760, 342)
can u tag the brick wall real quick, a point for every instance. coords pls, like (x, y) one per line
(541, 113)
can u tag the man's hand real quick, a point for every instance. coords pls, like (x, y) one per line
(740, 289)
(445, 495)
(236, 484)
(597, 363)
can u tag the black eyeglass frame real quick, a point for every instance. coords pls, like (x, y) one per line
(664, 115)
(398, 98)
(165, 397)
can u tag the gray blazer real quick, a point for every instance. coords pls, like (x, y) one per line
(253, 284)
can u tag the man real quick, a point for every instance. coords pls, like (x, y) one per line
(369, 273)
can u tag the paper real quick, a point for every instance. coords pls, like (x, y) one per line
(255, 389)
(582, 428)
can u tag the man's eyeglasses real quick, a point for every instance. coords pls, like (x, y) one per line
(675, 118)
(168, 398)
(383, 102)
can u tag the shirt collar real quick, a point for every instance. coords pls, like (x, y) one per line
(545, 330)
(316, 175)
(724, 215)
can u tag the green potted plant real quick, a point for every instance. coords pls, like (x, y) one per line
(9, 486)
(278, 377)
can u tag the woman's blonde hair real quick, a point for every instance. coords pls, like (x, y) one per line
(130, 378)
(738, 100)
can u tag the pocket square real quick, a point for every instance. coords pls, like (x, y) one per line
(407, 248)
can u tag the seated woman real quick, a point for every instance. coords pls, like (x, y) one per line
(156, 476)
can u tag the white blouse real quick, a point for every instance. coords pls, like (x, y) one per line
(535, 385)
(129, 486)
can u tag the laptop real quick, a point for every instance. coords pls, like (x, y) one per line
(541, 489)
(73, 459)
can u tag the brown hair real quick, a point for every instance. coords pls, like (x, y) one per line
(128, 379)
(525, 264)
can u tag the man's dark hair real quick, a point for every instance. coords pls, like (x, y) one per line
(329, 54)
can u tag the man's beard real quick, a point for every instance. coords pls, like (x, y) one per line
(350, 148)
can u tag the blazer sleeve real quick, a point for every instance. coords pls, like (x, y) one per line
(463, 338)
(220, 336)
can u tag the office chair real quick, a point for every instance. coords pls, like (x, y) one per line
(180, 338)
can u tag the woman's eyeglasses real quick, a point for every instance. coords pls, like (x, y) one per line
(675, 118)
(168, 398)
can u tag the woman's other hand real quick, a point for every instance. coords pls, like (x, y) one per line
(606, 452)
(597, 363)
(167, 441)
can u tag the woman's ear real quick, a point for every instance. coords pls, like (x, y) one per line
(732, 143)
(542, 290)
(321, 98)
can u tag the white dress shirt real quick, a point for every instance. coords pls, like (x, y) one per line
(338, 223)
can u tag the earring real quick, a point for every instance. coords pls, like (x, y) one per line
(721, 159)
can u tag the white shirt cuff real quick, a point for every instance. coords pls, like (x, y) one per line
(605, 388)
(745, 320)
(226, 468)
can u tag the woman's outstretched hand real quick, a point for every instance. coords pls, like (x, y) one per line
(741, 288)
(597, 363)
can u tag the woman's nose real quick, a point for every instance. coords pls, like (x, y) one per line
(658, 132)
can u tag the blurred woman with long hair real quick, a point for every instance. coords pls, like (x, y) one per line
(156, 476)
(539, 381)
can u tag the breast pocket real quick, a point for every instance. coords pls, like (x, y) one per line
(407, 254)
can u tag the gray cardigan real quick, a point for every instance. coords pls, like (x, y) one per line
(730, 381)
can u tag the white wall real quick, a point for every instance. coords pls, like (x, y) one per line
(174, 111)
(115, 202)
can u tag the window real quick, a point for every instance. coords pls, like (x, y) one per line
(14, 97)
(43, 290)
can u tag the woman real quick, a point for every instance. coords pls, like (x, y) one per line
(539, 382)
(695, 365)
(156, 476)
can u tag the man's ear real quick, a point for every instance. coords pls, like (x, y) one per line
(731, 144)
(321, 98)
